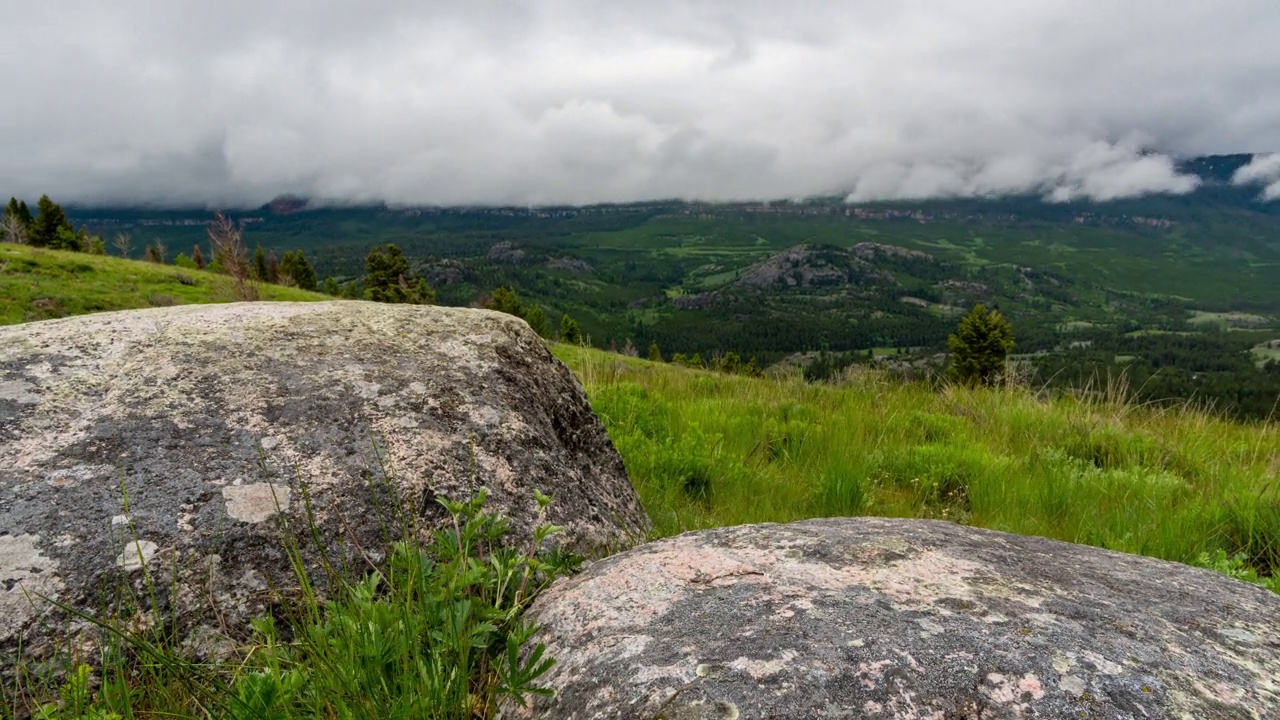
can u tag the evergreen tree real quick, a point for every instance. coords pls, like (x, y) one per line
(152, 254)
(655, 354)
(294, 265)
(569, 332)
(43, 231)
(679, 359)
(980, 347)
(260, 264)
(183, 261)
(18, 210)
(696, 360)
(12, 227)
(388, 278)
(730, 363)
(504, 299)
(331, 287)
(97, 246)
(537, 319)
(273, 268)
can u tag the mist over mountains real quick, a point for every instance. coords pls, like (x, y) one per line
(570, 102)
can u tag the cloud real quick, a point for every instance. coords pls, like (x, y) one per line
(1262, 170)
(569, 101)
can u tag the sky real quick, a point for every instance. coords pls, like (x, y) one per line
(230, 103)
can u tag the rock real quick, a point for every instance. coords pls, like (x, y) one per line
(813, 266)
(217, 422)
(505, 253)
(870, 252)
(569, 264)
(904, 619)
(445, 272)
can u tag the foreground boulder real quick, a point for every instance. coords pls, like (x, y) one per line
(903, 619)
(137, 444)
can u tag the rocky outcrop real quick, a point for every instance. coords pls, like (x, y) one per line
(870, 252)
(903, 619)
(505, 253)
(139, 446)
(573, 265)
(443, 273)
(802, 266)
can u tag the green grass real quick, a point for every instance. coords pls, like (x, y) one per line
(707, 450)
(39, 284)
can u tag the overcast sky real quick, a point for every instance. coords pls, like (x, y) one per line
(570, 101)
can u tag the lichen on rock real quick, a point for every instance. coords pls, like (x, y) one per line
(196, 435)
(903, 619)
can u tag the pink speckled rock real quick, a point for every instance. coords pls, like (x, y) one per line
(212, 419)
(903, 620)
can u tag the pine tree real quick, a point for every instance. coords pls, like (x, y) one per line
(388, 278)
(980, 347)
(655, 354)
(43, 230)
(260, 264)
(537, 319)
(331, 287)
(18, 210)
(569, 332)
(294, 266)
(12, 228)
(273, 268)
(505, 300)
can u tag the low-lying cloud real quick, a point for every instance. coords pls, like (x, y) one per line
(1262, 170)
(567, 101)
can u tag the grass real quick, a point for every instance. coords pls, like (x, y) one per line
(39, 284)
(436, 633)
(707, 450)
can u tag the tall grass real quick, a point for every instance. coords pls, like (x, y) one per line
(707, 450)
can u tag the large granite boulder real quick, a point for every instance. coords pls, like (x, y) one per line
(136, 445)
(903, 619)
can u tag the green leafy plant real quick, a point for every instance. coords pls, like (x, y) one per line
(437, 634)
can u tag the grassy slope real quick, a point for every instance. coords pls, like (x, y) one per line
(706, 450)
(37, 284)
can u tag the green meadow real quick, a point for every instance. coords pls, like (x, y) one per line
(705, 450)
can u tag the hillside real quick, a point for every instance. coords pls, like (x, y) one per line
(39, 284)
(708, 450)
(1176, 292)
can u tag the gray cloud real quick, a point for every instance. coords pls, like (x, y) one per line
(1263, 170)
(568, 101)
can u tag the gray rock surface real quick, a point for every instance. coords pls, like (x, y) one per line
(903, 619)
(137, 444)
